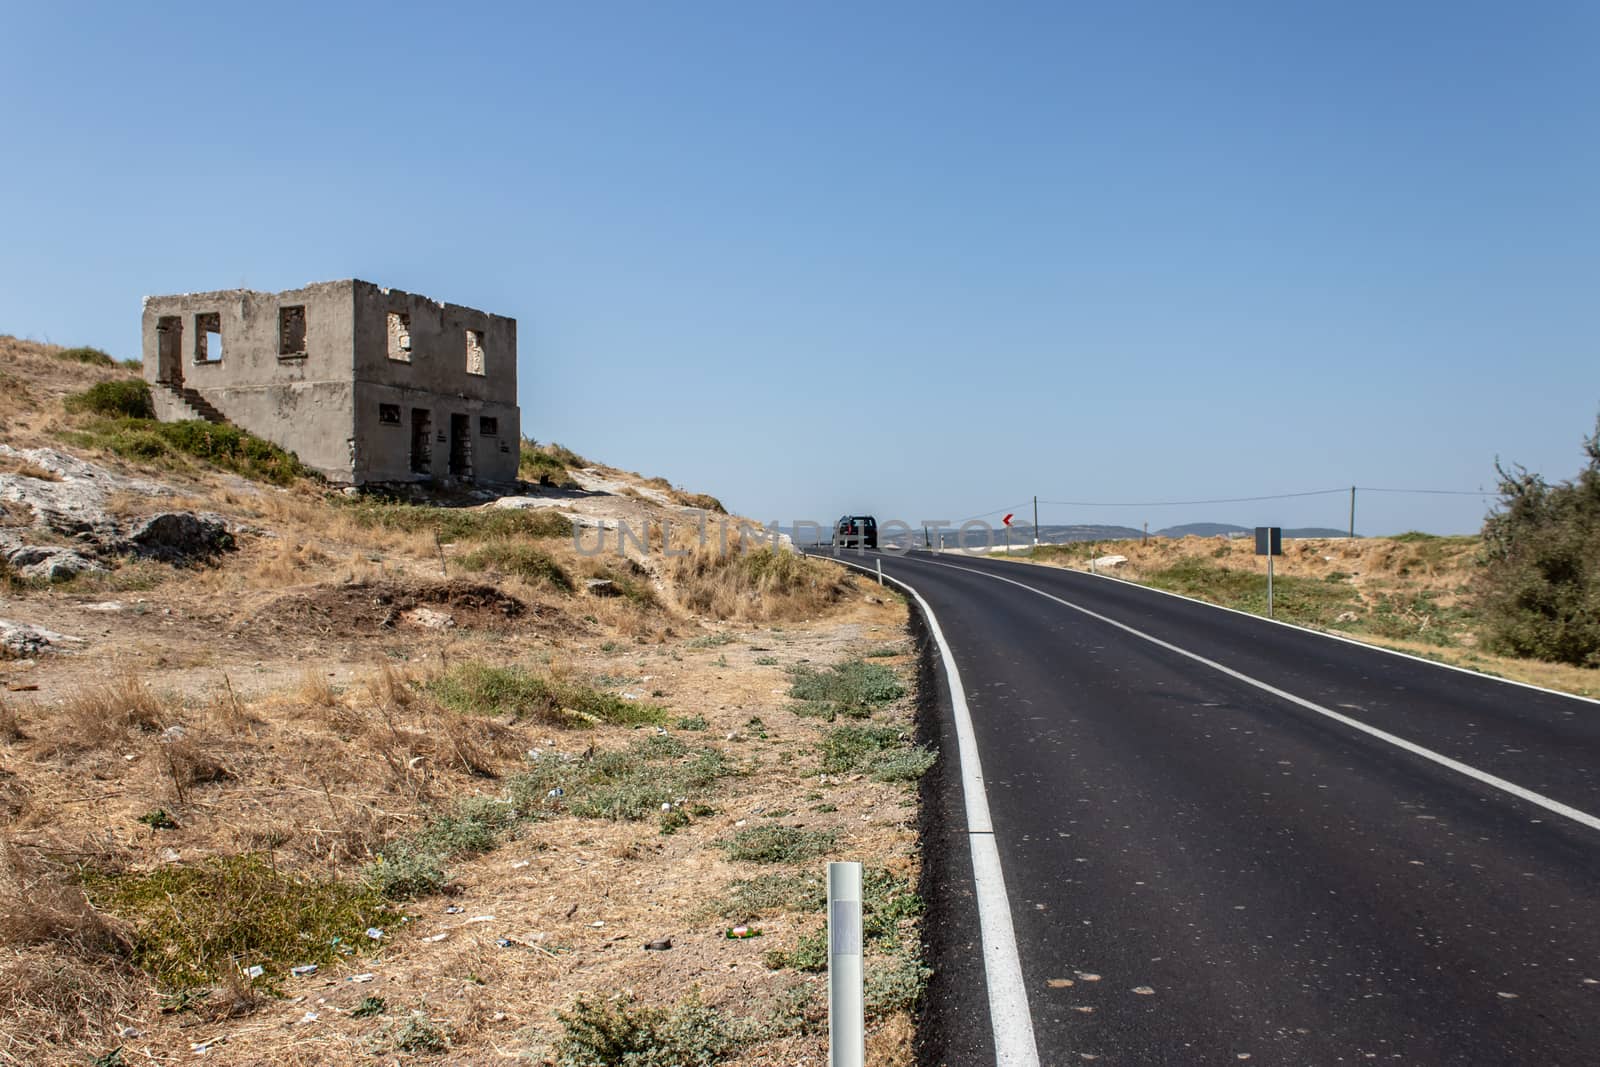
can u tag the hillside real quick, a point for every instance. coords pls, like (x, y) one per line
(296, 776)
(1411, 592)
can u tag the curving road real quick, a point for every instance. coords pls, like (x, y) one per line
(1225, 840)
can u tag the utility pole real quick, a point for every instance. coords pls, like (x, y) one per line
(1036, 520)
(1146, 532)
(1352, 513)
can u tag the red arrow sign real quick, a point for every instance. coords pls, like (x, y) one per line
(1007, 519)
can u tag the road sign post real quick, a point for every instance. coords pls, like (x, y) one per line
(1269, 543)
(1007, 521)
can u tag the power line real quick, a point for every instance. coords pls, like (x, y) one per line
(1433, 492)
(1190, 503)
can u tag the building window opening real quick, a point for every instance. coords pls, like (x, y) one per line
(400, 337)
(475, 356)
(208, 338)
(389, 414)
(488, 426)
(292, 331)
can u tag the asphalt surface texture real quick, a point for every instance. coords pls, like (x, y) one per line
(1200, 871)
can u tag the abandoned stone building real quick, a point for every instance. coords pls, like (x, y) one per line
(364, 384)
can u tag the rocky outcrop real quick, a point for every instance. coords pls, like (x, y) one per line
(73, 531)
(178, 537)
(21, 640)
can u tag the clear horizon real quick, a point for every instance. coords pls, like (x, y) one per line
(910, 259)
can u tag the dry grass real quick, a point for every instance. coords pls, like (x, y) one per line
(103, 715)
(10, 724)
(62, 976)
(760, 585)
(27, 469)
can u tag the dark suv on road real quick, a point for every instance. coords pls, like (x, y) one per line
(856, 531)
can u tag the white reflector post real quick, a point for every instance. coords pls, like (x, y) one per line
(847, 1045)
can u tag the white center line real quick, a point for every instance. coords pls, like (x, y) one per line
(1583, 818)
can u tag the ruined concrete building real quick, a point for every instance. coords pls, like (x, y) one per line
(364, 384)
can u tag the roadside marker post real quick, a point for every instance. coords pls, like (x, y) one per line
(1007, 521)
(846, 995)
(880, 571)
(1269, 543)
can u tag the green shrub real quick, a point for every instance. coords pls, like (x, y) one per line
(123, 398)
(1539, 586)
(620, 1033)
(548, 464)
(83, 354)
(522, 560)
(201, 924)
(777, 844)
(216, 444)
(479, 689)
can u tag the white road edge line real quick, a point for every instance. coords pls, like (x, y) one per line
(1009, 1015)
(1341, 638)
(1583, 818)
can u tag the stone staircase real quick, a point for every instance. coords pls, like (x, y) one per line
(199, 406)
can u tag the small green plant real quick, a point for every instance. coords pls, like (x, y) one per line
(854, 688)
(766, 661)
(158, 820)
(673, 820)
(419, 1033)
(883, 752)
(414, 864)
(711, 641)
(369, 1007)
(690, 722)
(618, 1032)
(768, 894)
(621, 784)
(882, 653)
(479, 689)
(125, 398)
(777, 844)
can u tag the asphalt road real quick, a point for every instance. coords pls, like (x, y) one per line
(1201, 869)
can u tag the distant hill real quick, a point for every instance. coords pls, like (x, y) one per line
(1203, 529)
(1223, 529)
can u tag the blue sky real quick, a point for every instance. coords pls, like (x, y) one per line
(923, 259)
